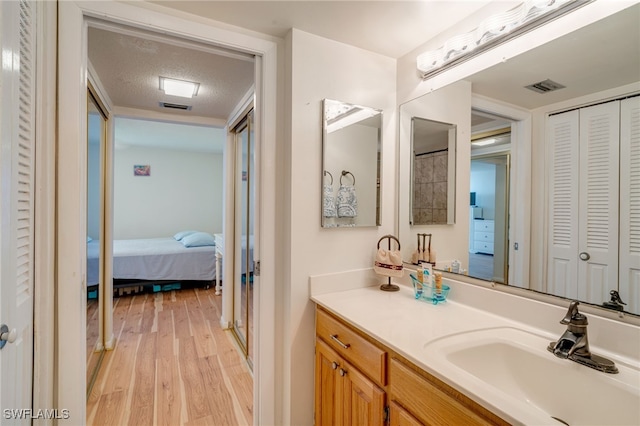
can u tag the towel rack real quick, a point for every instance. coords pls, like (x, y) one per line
(389, 237)
(388, 286)
(330, 175)
(346, 172)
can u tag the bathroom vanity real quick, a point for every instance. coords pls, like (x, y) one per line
(480, 358)
(361, 381)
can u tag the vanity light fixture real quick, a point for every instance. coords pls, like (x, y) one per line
(492, 31)
(353, 115)
(484, 142)
(182, 88)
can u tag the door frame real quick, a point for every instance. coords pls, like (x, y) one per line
(520, 183)
(72, 69)
(44, 220)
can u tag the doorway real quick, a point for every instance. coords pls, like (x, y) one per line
(490, 177)
(166, 176)
(489, 224)
(72, 61)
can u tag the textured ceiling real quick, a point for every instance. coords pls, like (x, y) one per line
(129, 66)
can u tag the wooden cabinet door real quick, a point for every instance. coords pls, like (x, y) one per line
(326, 385)
(343, 395)
(362, 401)
(401, 417)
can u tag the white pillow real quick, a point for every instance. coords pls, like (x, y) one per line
(198, 239)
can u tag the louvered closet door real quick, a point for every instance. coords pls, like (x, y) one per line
(598, 201)
(562, 265)
(630, 203)
(17, 142)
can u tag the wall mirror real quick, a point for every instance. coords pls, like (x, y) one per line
(433, 172)
(351, 165)
(510, 234)
(96, 146)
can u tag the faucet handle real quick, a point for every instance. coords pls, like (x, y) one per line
(573, 316)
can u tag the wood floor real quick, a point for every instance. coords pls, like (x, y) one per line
(172, 365)
(92, 336)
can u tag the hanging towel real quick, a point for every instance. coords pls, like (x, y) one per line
(388, 263)
(328, 201)
(347, 201)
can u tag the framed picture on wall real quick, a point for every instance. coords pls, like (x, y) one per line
(141, 170)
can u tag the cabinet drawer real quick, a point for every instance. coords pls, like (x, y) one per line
(487, 237)
(484, 225)
(368, 357)
(482, 247)
(433, 402)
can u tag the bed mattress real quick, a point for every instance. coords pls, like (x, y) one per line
(154, 259)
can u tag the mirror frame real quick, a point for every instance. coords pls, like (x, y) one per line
(350, 175)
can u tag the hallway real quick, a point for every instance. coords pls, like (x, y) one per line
(172, 365)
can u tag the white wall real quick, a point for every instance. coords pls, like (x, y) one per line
(483, 183)
(321, 68)
(183, 192)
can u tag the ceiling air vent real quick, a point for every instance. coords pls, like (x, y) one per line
(545, 86)
(175, 106)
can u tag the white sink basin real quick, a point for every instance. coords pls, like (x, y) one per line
(511, 370)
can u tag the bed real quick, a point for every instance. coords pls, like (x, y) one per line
(145, 261)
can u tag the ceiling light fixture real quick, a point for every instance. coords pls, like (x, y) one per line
(492, 31)
(182, 88)
(484, 142)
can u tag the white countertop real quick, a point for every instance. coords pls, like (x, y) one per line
(406, 325)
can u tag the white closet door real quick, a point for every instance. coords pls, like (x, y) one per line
(598, 201)
(562, 264)
(17, 144)
(630, 203)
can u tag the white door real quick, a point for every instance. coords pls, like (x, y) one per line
(562, 269)
(630, 203)
(17, 123)
(598, 202)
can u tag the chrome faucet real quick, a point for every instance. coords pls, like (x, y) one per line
(574, 343)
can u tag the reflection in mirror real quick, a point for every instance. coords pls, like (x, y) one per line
(351, 165)
(96, 139)
(532, 210)
(489, 197)
(433, 145)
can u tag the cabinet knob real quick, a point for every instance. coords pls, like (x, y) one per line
(585, 256)
(334, 365)
(343, 372)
